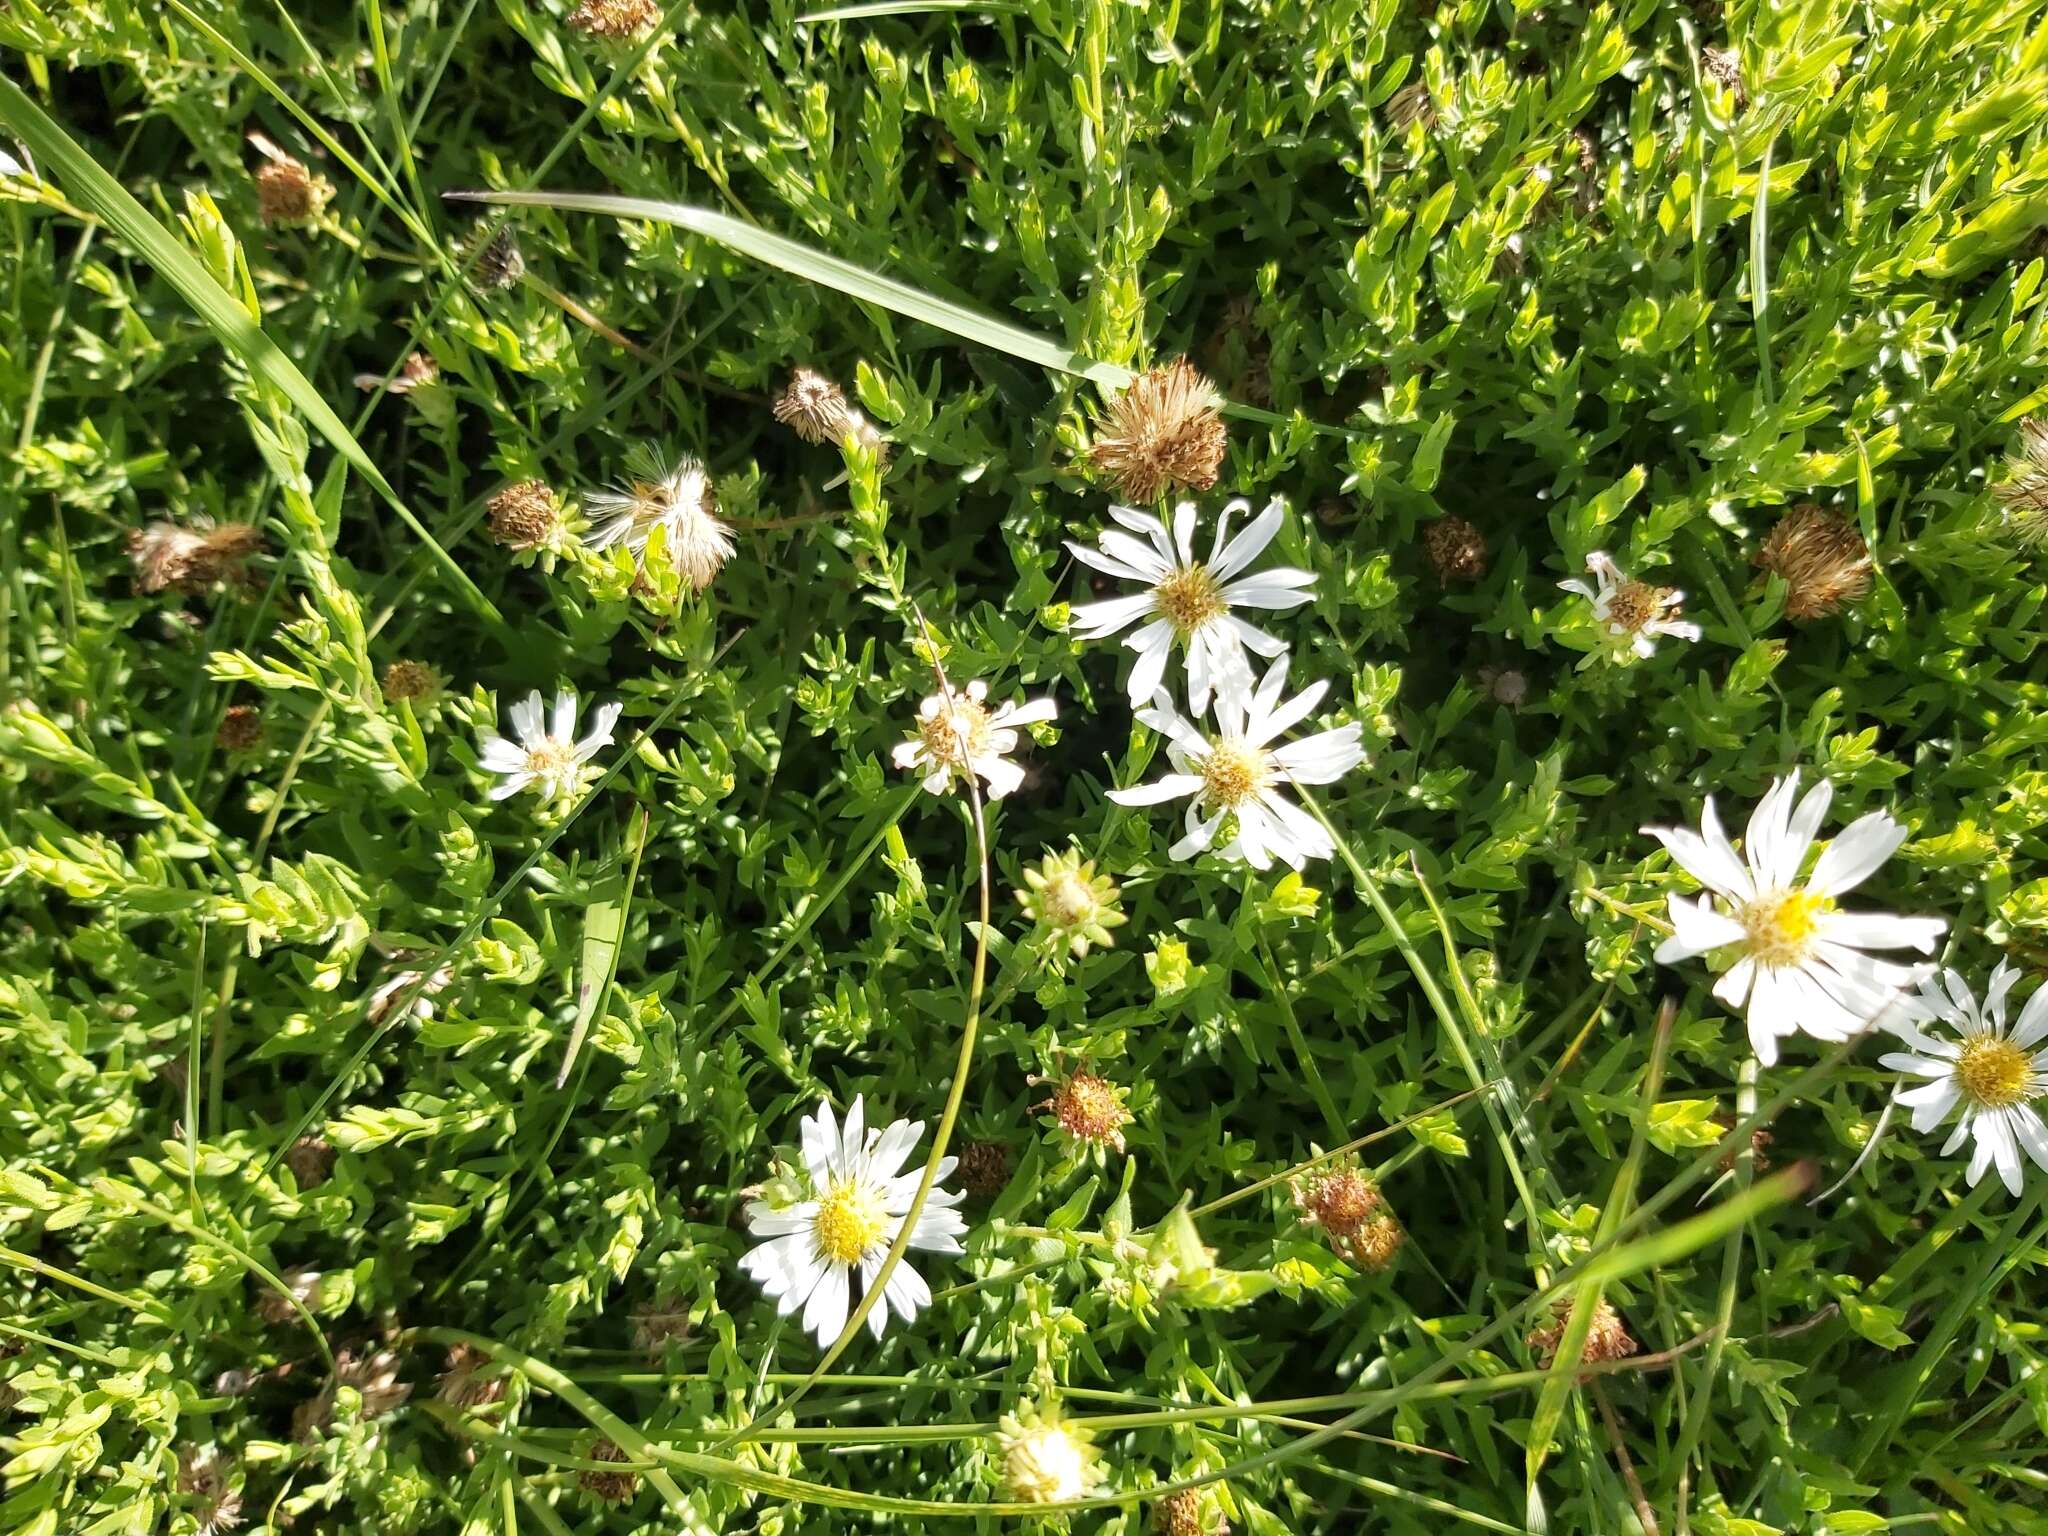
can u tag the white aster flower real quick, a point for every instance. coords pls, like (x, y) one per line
(1631, 614)
(1993, 1071)
(679, 500)
(1235, 775)
(957, 736)
(546, 754)
(857, 1207)
(1796, 959)
(1047, 1458)
(1187, 602)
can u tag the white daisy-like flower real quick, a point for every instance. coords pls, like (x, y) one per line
(958, 736)
(545, 754)
(1794, 959)
(1990, 1069)
(1631, 614)
(677, 498)
(1187, 602)
(1235, 774)
(857, 1205)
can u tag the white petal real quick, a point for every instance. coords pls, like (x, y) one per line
(1003, 777)
(1256, 640)
(1305, 833)
(1734, 983)
(1277, 590)
(821, 1144)
(825, 1311)
(1764, 839)
(507, 788)
(906, 1292)
(1804, 825)
(1200, 834)
(2031, 1134)
(1931, 1103)
(1098, 621)
(600, 729)
(1184, 532)
(1697, 929)
(1322, 758)
(1172, 787)
(1273, 722)
(1882, 930)
(1250, 542)
(1856, 853)
(499, 755)
(2033, 1022)
(563, 724)
(1706, 863)
(1154, 645)
(892, 1146)
(1148, 575)
(765, 1220)
(1143, 523)
(1136, 555)
(853, 1136)
(526, 719)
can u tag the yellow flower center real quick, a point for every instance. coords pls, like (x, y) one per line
(1780, 926)
(1188, 599)
(1994, 1073)
(850, 1221)
(1633, 605)
(552, 759)
(956, 733)
(1233, 773)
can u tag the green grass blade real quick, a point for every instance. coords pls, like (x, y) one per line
(65, 160)
(815, 266)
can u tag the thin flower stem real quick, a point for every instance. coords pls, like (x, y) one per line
(1644, 1512)
(1339, 1128)
(1426, 979)
(969, 1030)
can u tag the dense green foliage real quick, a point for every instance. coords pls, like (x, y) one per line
(1632, 279)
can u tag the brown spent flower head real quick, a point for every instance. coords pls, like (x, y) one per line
(1606, 1340)
(1090, 1109)
(2023, 493)
(814, 408)
(1373, 1246)
(525, 516)
(1723, 66)
(1339, 1200)
(1162, 431)
(304, 1285)
(311, 1160)
(1410, 105)
(1759, 1143)
(169, 555)
(1505, 685)
(615, 19)
(611, 1487)
(1187, 1513)
(984, 1168)
(241, 729)
(1456, 549)
(374, 1376)
(287, 193)
(411, 680)
(660, 1323)
(203, 1475)
(499, 263)
(467, 1382)
(1822, 557)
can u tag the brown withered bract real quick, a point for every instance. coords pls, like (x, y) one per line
(1822, 557)
(1456, 550)
(1163, 431)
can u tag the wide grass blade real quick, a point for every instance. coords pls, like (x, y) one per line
(106, 199)
(829, 271)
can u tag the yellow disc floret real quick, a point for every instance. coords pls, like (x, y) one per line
(956, 732)
(850, 1223)
(1233, 773)
(1994, 1073)
(1781, 926)
(1188, 599)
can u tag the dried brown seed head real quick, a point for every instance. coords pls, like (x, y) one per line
(1164, 431)
(287, 193)
(813, 407)
(615, 19)
(412, 680)
(1090, 1109)
(525, 516)
(984, 1168)
(611, 1487)
(311, 1160)
(1822, 557)
(1456, 550)
(241, 729)
(1607, 1338)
